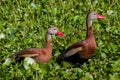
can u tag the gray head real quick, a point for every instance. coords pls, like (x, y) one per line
(94, 15)
(53, 30)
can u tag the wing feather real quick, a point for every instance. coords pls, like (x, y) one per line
(30, 52)
(73, 49)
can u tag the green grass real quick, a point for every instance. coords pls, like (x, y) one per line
(23, 24)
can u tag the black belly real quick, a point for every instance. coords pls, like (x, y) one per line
(74, 59)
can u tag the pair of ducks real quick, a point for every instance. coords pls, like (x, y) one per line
(79, 52)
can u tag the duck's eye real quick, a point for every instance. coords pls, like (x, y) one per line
(54, 29)
(94, 13)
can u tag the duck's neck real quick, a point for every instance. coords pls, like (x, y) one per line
(89, 33)
(48, 42)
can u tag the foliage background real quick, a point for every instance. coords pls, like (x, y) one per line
(23, 24)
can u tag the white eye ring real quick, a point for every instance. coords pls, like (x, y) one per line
(94, 13)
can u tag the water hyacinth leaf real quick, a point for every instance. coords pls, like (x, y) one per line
(27, 62)
(109, 12)
(76, 18)
(2, 35)
(33, 5)
(7, 62)
(116, 65)
(103, 55)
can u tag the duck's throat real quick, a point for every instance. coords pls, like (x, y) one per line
(48, 42)
(90, 33)
(89, 23)
(48, 36)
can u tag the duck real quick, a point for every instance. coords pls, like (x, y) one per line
(42, 55)
(82, 51)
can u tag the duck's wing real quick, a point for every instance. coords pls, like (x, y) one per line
(73, 49)
(30, 52)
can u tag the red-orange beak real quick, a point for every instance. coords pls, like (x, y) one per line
(59, 33)
(100, 16)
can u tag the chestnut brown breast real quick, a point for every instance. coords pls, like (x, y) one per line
(88, 49)
(43, 56)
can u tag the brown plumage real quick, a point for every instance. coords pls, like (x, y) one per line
(83, 50)
(40, 54)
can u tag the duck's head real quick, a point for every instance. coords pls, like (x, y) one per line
(94, 15)
(53, 30)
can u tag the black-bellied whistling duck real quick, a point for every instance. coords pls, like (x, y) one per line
(42, 55)
(83, 50)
